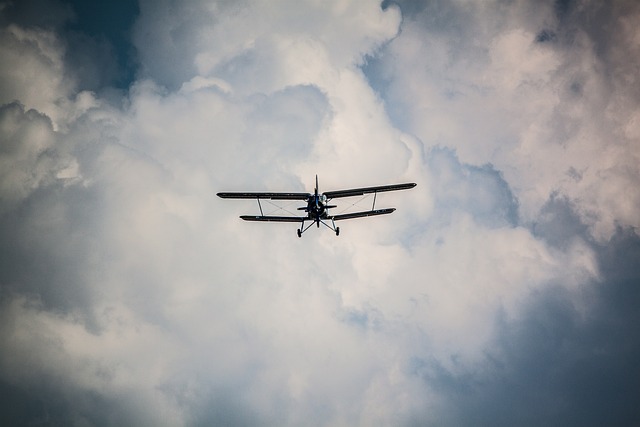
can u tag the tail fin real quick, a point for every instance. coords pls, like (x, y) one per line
(316, 184)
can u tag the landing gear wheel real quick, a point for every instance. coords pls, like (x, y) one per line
(299, 233)
(337, 231)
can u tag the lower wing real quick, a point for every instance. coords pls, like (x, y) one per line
(301, 219)
(362, 214)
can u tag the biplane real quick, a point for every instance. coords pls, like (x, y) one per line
(317, 208)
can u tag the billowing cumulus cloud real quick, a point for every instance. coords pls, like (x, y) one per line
(501, 292)
(536, 90)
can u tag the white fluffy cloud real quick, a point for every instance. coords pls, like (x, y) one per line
(537, 95)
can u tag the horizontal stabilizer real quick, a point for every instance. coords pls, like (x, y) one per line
(272, 196)
(368, 190)
(363, 214)
(272, 218)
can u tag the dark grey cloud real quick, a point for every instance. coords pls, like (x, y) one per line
(557, 364)
(480, 191)
(54, 238)
(49, 402)
(558, 224)
(96, 35)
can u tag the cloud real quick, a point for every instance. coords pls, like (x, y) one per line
(555, 361)
(500, 292)
(259, 46)
(33, 69)
(540, 109)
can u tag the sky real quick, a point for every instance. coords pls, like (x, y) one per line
(502, 292)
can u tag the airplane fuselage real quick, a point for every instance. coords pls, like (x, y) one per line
(317, 207)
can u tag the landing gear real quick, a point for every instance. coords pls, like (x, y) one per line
(319, 221)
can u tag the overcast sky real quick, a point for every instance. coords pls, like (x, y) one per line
(504, 291)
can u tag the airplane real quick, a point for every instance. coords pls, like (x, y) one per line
(318, 206)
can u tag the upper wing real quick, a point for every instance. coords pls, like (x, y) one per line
(272, 196)
(272, 218)
(363, 214)
(366, 190)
